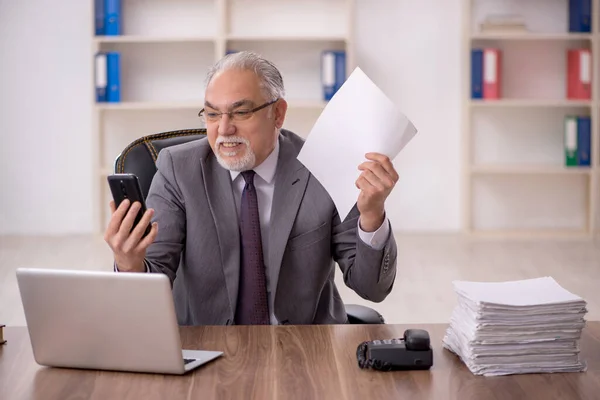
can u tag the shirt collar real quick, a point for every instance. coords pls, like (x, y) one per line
(266, 170)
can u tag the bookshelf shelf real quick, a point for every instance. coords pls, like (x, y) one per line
(166, 48)
(533, 36)
(523, 234)
(558, 103)
(193, 105)
(152, 39)
(528, 170)
(150, 105)
(516, 184)
(292, 38)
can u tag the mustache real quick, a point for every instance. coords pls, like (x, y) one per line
(232, 139)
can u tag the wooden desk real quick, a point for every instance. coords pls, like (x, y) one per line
(292, 362)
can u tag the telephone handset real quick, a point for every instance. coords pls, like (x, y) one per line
(412, 352)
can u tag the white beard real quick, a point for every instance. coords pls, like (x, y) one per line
(243, 163)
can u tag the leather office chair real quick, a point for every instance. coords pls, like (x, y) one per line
(139, 158)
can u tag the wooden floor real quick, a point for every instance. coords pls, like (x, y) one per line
(422, 293)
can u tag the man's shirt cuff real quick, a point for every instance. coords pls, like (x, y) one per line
(145, 264)
(377, 239)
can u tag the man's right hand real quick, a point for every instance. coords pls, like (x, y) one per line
(129, 249)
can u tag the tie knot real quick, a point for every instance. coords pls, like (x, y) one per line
(249, 176)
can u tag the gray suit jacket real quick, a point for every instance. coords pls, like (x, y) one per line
(198, 243)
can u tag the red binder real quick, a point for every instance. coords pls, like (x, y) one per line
(579, 74)
(492, 84)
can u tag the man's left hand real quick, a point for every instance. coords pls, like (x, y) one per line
(376, 182)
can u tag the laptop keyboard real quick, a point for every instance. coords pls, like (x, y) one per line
(188, 360)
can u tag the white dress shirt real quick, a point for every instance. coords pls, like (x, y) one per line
(264, 182)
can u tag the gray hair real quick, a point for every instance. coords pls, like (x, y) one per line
(271, 81)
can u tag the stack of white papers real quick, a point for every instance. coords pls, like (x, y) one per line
(516, 327)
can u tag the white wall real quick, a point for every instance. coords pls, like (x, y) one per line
(410, 49)
(45, 167)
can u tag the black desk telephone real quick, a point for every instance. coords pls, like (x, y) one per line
(413, 351)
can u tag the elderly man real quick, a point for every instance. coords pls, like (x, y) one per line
(243, 230)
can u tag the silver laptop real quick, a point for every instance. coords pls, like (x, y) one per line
(105, 321)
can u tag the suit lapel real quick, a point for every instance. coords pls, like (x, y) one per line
(290, 183)
(217, 186)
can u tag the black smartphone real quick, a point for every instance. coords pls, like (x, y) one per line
(127, 186)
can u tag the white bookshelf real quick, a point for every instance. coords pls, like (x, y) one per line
(194, 105)
(515, 184)
(286, 38)
(528, 170)
(533, 36)
(523, 103)
(167, 47)
(151, 39)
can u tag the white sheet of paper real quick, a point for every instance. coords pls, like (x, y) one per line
(359, 119)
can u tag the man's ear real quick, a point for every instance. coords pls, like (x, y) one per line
(280, 110)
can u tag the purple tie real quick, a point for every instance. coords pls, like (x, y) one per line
(252, 307)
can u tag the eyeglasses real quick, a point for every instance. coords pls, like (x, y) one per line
(237, 115)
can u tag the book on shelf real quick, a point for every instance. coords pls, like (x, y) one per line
(578, 141)
(580, 16)
(101, 77)
(99, 17)
(503, 23)
(333, 72)
(107, 16)
(486, 73)
(579, 74)
(108, 77)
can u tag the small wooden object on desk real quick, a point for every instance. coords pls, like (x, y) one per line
(2, 341)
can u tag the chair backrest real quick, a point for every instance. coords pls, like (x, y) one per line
(140, 156)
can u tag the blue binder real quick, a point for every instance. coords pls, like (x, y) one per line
(477, 74)
(328, 74)
(340, 69)
(113, 62)
(101, 77)
(112, 15)
(333, 72)
(99, 16)
(584, 141)
(580, 16)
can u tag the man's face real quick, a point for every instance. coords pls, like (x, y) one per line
(244, 141)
